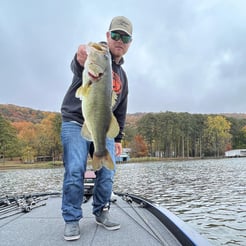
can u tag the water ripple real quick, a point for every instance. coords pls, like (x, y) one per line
(210, 195)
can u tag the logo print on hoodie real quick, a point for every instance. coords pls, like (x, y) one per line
(117, 84)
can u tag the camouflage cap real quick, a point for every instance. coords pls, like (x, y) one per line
(121, 23)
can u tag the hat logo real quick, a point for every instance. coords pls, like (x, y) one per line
(123, 23)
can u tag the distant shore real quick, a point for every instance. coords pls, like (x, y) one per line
(8, 165)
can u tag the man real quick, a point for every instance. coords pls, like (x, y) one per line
(76, 148)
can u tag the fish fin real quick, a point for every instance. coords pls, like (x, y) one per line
(83, 90)
(79, 92)
(114, 98)
(114, 128)
(86, 133)
(102, 161)
(96, 163)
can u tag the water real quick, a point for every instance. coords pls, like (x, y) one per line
(209, 195)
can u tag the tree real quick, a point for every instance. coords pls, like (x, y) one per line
(196, 136)
(49, 136)
(217, 135)
(147, 127)
(56, 136)
(27, 136)
(129, 133)
(237, 132)
(9, 145)
(139, 147)
(242, 138)
(28, 155)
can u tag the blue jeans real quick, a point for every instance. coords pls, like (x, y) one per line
(75, 153)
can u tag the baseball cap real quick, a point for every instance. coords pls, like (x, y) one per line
(121, 23)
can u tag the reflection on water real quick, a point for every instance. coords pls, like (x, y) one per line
(210, 195)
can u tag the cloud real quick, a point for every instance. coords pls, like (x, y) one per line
(186, 56)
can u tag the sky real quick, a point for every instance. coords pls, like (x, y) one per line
(186, 55)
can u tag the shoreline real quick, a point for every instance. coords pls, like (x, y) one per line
(12, 165)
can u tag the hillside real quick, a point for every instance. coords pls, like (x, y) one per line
(16, 113)
(235, 115)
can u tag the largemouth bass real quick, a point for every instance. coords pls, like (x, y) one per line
(98, 97)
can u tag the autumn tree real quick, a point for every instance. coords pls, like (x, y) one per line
(27, 135)
(26, 132)
(56, 135)
(147, 127)
(41, 138)
(139, 147)
(217, 135)
(49, 136)
(44, 136)
(28, 155)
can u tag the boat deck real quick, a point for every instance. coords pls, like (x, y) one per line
(44, 226)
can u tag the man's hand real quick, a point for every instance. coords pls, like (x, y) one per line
(81, 54)
(118, 149)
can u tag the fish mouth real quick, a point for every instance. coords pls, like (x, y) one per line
(95, 76)
(95, 71)
(99, 47)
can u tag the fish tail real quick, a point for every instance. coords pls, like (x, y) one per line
(102, 161)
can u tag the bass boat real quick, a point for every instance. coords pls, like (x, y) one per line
(36, 220)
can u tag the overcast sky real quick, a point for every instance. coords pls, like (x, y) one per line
(186, 55)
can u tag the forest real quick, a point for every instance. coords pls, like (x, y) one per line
(30, 135)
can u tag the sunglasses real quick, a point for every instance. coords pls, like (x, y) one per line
(117, 36)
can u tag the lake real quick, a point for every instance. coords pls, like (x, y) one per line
(209, 195)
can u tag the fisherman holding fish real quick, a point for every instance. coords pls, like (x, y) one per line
(93, 118)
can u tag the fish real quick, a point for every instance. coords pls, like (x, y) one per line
(98, 99)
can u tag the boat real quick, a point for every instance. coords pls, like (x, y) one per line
(236, 153)
(36, 220)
